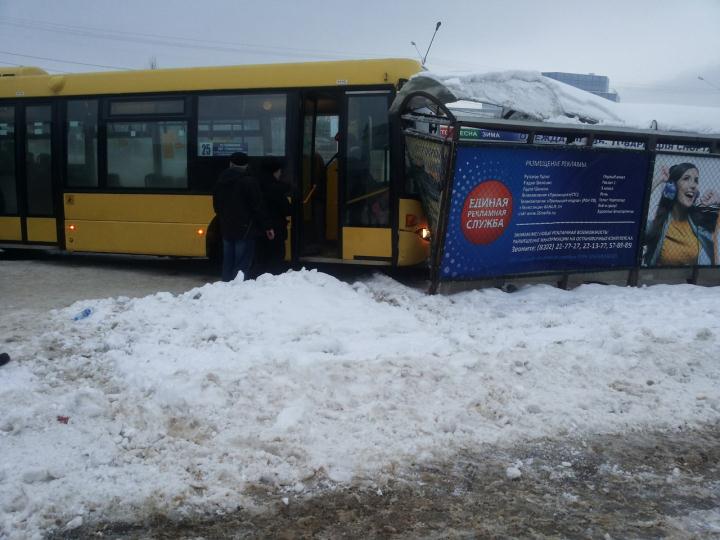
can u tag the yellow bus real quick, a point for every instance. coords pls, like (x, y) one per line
(125, 162)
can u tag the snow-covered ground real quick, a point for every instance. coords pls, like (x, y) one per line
(176, 403)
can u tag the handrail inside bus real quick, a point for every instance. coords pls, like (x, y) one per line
(368, 195)
(310, 194)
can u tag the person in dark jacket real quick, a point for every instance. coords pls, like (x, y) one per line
(242, 214)
(271, 251)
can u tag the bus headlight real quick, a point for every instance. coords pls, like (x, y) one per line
(424, 233)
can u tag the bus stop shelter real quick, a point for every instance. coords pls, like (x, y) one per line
(524, 177)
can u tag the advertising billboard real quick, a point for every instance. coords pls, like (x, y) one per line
(683, 227)
(525, 210)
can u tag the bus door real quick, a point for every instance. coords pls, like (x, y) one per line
(317, 230)
(10, 227)
(345, 180)
(365, 209)
(35, 157)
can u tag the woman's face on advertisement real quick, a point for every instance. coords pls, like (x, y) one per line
(687, 187)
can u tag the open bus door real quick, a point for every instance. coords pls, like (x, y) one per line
(317, 223)
(345, 178)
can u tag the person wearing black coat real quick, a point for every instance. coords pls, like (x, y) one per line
(271, 251)
(242, 215)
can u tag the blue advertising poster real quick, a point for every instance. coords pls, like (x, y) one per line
(515, 211)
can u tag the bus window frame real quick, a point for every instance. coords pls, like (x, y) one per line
(150, 122)
(251, 92)
(292, 101)
(105, 118)
(191, 115)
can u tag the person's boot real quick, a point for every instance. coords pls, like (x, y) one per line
(4, 358)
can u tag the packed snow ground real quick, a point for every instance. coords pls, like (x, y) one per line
(175, 403)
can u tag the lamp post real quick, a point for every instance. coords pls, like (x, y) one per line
(437, 27)
(418, 50)
(422, 58)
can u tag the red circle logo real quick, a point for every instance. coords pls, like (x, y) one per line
(486, 212)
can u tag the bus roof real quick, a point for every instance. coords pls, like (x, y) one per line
(28, 82)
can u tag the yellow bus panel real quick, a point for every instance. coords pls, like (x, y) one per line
(135, 223)
(42, 230)
(366, 242)
(179, 239)
(411, 214)
(131, 207)
(36, 83)
(10, 229)
(412, 249)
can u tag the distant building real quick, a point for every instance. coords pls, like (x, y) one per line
(597, 84)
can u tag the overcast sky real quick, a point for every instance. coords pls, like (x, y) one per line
(649, 48)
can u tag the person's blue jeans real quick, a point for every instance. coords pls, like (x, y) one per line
(237, 257)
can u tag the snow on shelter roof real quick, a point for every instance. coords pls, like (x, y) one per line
(547, 100)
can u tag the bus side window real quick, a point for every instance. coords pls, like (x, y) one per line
(150, 154)
(227, 123)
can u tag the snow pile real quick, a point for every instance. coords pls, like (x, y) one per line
(530, 93)
(548, 100)
(174, 404)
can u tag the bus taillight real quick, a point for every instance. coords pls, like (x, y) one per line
(424, 233)
(200, 232)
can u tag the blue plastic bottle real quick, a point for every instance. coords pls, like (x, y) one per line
(85, 313)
